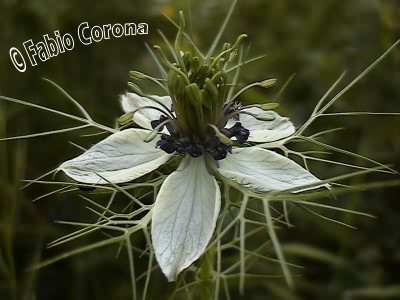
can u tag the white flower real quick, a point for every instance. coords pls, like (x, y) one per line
(188, 203)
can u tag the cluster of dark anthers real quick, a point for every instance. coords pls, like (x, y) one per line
(174, 143)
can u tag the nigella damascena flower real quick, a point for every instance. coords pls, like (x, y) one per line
(200, 122)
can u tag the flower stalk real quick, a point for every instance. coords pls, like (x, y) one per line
(206, 273)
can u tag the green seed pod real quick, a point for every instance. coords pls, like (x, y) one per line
(194, 94)
(212, 89)
(195, 64)
(175, 84)
(205, 95)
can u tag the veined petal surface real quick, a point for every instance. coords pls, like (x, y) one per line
(184, 216)
(131, 102)
(264, 170)
(264, 131)
(121, 157)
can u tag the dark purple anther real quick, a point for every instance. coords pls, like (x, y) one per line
(167, 144)
(232, 108)
(155, 123)
(181, 149)
(239, 132)
(194, 150)
(217, 149)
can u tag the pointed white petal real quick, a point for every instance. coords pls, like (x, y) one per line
(121, 157)
(264, 170)
(264, 131)
(131, 102)
(184, 216)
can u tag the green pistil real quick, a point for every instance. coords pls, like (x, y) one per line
(198, 88)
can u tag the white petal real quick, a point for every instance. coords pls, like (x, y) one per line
(131, 102)
(264, 131)
(121, 157)
(264, 170)
(184, 216)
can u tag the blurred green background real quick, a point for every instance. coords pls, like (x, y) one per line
(317, 40)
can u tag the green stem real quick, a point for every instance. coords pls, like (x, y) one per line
(206, 271)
